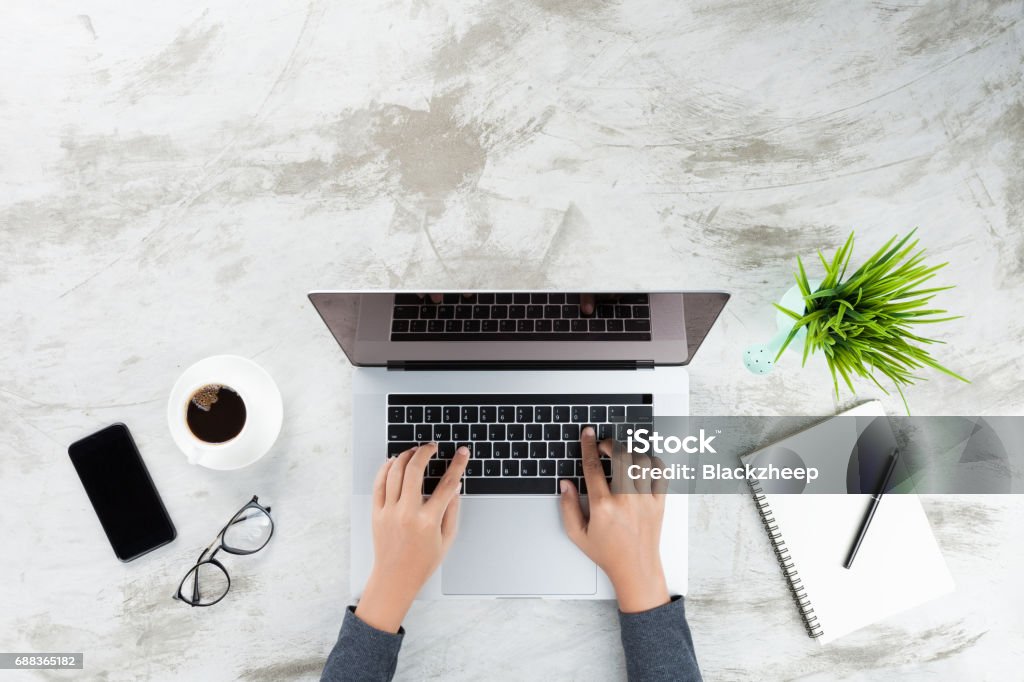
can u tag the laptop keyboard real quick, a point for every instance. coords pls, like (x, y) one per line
(520, 317)
(518, 443)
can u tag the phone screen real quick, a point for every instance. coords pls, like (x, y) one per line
(121, 491)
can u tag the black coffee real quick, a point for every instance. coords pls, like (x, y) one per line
(215, 414)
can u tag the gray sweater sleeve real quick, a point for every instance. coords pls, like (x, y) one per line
(658, 645)
(362, 653)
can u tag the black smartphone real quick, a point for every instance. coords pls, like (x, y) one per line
(122, 493)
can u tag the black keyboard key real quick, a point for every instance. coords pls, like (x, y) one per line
(638, 299)
(485, 298)
(556, 450)
(436, 468)
(639, 413)
(616, 413)
(492, 468)
(397, 448)
(566, 468)
(542, 413)
(481, 312)
(478, 431)
(573, 450)
(623, 311)
(571, 432)
(516, 431)
(418, 326)
(405, 312)
(396, 415)
(503, 298)
(579, 468)
(430, 485)
(538, 450)
(442, 432)
(482, 450)
(460, 432)
(502, 450)
(499, 312)
(428, 312)
(535, 312)
(400, 326)
(521, 298)
(615, 326)
(471, 326)
(637, 325)
(605, 431)
(598, 413)
(507, 326)
(432, 415)
(445, 312)
(524, 326)
(496, 432)
(552, 431)
(579, 414)
(488, 415)
(413, 414)
(558, 299)
(435, 326)
(596, 325)
(539, 298)
(450, 298)
(560, 413)
(570, 311)
(572, 298)
(445, 450)
(623, 431)
(578, 325)
(470, 414)
(511, 467)
(423, 433)
(552, 312)
(524, 414)
(561, 326)
(452, 326)
(520, 450)
(605, 310)
(506, 413)
(474, 467)
(401, 432)
(517, 312)
(528, 468)
(463, 312)
(542, 325)
(641, 311)
(534, 432)
(546, 467)
(450, 414)
(511, 486)
(410, 299)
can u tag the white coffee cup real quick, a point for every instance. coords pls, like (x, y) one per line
(264, 411)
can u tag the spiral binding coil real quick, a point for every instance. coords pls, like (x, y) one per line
(803, 603)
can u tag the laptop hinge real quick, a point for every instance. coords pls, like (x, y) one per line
(492, 365)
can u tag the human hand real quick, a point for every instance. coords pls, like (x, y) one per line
(410, 534)
(623, 532)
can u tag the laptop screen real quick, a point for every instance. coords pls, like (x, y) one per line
(534, 327)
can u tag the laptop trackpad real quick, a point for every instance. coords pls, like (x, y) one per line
(514, 546)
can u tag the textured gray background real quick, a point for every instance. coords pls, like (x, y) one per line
(175, 177)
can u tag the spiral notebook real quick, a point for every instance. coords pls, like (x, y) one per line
(899, 566)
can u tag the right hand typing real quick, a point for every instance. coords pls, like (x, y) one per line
(623, 532)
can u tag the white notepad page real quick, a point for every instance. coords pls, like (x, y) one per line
(899, 565)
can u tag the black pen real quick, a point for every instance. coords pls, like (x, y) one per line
(875, 499)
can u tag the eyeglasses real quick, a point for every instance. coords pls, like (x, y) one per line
(248, 531)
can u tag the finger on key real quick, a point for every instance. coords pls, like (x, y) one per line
(597, 487)
(412, 481)
(451, 482)
(395, 474)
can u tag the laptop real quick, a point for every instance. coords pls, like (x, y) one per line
(514, 376)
